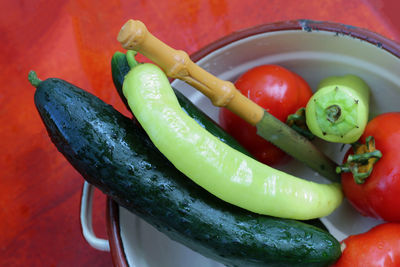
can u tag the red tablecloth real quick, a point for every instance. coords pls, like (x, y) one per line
(74, 40)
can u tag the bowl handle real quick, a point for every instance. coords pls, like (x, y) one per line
(86, 219)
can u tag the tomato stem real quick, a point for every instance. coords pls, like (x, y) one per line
(361, 163)
(363, 158)
(298, 122)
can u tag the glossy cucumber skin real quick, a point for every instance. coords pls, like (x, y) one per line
(120, 67)
(218, 168)
(114, 154)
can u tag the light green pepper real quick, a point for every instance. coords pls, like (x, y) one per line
(218, 168)
(338, 111)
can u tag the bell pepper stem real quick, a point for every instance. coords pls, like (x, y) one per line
(333, 113)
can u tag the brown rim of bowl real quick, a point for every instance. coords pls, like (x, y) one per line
(113, 232)
(112, 216)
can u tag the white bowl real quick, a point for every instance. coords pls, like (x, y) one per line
(314, 50)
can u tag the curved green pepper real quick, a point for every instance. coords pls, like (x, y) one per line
(338, 111)
(218, 168)
(121, 65)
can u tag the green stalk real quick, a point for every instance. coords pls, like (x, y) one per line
(338, 111)
(362, 162)
(297, 122)
(33, 78)
(130, 57)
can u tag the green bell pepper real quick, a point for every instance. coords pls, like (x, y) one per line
(338, 111)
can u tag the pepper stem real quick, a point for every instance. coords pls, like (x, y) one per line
(33, 78)
(362, 162)
(130, 57)
(333, 113)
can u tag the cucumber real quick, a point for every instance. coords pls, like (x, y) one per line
(120, 67)
(115, 154)
(221, 170)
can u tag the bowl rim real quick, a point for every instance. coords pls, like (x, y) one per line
(112, 210)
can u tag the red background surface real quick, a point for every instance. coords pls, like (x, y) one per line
(74, 40)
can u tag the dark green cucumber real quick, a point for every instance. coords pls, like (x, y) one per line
(114, 154)
(120, 67)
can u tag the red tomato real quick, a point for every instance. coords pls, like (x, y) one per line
(379, 195)
(379, 247)
(280, 92)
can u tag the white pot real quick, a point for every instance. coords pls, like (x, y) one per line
(314, 50)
